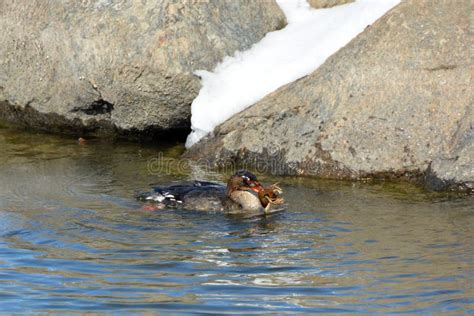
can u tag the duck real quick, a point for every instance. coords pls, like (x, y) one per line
(243, 193)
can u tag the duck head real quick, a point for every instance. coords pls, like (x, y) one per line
(243, 180)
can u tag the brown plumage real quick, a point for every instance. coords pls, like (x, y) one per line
(271, 196)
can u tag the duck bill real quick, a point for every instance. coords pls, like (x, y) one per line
(256, 187)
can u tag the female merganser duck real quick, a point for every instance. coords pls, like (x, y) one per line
(243, 193)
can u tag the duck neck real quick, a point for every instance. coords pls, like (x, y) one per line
(232, 186)
(263, 199)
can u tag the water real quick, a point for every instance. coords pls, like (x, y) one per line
(73, 239)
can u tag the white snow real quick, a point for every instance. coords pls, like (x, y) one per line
(283, 56)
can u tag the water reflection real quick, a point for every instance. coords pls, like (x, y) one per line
(73, 239)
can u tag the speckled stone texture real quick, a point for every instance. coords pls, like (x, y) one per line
(111, 66)
(319, 4)
(396, 102)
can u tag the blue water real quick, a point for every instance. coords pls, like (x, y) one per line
(73, 239)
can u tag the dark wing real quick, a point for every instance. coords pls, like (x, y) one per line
(174, 195)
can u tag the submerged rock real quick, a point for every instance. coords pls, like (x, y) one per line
(118, 66)
(395, 102)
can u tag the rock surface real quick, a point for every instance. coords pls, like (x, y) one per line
(118, 66)
(454, 170)
(395, 102)
(319, 4)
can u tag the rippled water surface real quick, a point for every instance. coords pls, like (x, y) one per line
(72, 238)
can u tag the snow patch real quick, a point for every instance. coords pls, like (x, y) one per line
(281, 57)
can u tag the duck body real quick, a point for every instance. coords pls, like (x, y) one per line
(240, 195)
(194, 195)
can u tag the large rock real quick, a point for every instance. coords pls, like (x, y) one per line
(118, 66)
(395, 102)
(454, 170)
(319, 4)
